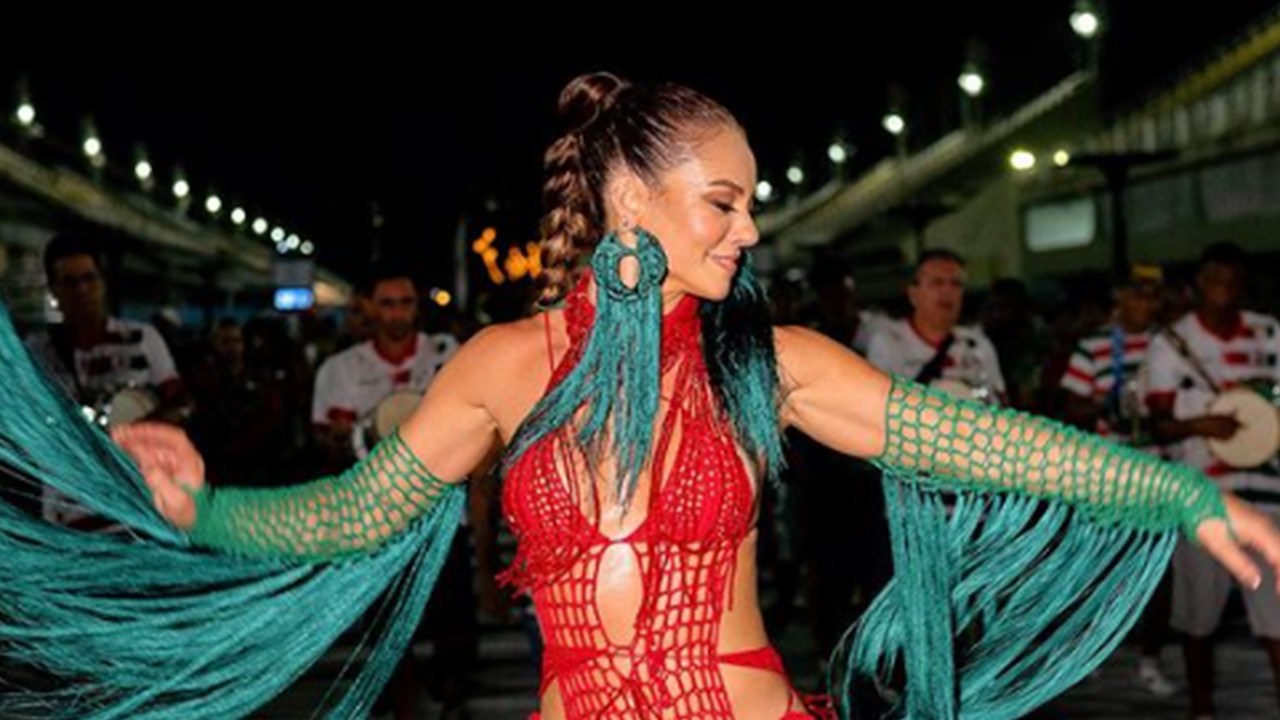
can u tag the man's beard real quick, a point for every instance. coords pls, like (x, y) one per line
(398, 332)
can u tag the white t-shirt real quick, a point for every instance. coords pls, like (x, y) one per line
(897, 347)
(1249, 353)
(133, 355)
(350, 384)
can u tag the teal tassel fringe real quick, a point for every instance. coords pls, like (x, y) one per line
(994, 610)
(147, 627)
(743, 367)
(617, 378)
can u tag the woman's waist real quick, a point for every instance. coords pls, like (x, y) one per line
(557, 660)
(714, 635)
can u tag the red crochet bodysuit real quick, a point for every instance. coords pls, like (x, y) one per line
(700, 508)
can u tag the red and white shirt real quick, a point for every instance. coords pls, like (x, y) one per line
(1094, 368)
(350, 384)
(1249, 352)
(132, 354)
(897, 347)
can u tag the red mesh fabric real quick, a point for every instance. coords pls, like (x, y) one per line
(697, 511)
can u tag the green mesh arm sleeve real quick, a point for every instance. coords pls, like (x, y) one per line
(326, 518)
(956, 445)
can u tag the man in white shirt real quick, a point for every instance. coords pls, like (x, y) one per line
(349, 387)
(930, 346)
(396, 357)
(93, 355)
(1210, 350)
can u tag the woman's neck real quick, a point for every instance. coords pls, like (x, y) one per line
(671, 298)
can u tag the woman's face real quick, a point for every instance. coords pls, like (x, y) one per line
(699, 211)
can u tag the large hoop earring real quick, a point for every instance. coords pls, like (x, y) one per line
(606, 264)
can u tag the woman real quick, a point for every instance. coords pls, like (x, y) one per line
(641, 413)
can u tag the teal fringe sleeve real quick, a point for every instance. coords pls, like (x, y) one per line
(149, 627)
(1053, 542)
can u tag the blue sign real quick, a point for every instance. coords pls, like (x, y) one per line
(294, 298)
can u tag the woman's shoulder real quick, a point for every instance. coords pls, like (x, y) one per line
(805, 356)
(797, 343)
(509, 350)
(800, 352)
(505, 342)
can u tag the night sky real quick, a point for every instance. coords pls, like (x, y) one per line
(311, 122)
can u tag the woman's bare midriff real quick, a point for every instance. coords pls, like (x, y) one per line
(754, 694)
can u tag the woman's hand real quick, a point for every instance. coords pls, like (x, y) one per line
(170, 464)
(1249, 528)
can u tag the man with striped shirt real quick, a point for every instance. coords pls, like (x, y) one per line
(1102, 384)
(1211, 349)
(1103, 395)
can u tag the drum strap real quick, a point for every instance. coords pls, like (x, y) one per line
(1184, 350)
(932, 370)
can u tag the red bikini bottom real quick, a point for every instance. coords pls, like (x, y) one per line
(816, 707)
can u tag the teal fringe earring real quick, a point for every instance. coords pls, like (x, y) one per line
(617, 378)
